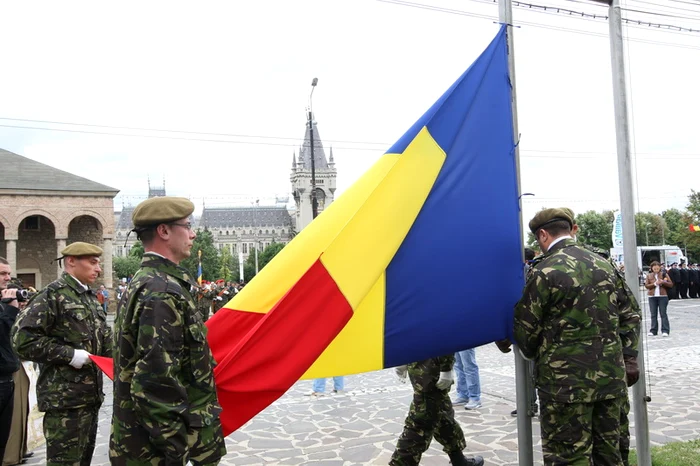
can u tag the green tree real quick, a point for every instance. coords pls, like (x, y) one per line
(269, 253)
(531, 242)
(651, 229)
(675, 225)
(693, 207)
(211, 263)
(691, 239)
(229, 265)
(249, 265)
(595, 229)
(123, 267)
(137, 250)
(234, 265)
(225, 259)
(264, 257)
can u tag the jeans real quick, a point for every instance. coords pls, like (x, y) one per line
(659, 304)
(468, 382)
(320, 384)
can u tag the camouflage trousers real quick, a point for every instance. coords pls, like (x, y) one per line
(625, 431)
(206, 448)
(431, 415)
(70, 436)
(581, 434)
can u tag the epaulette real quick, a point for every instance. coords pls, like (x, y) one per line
(57, 285)
(601, 252)
(536, 260)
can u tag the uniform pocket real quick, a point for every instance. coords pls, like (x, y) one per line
(75, 325)
(201, 360)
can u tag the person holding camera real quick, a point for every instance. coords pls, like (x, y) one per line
(60, 328)
(9, 363)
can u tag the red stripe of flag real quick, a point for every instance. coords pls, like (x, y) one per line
(265, 360)
(262, 355)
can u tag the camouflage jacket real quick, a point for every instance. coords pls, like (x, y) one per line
(164, 394)
(64, 316)
(204, 299)
(425, 374)
(574, 318)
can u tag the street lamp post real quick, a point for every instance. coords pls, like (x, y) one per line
(646, 229)
(314, 202)
(255, 221)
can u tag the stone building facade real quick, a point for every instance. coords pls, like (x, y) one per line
(42, 210)
(240, 229)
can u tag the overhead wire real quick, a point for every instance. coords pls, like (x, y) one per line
(550, 27)
(161, 130)
(555, 154)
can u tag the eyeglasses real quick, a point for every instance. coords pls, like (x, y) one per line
(187, 225)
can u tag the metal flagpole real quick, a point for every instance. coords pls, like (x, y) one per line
(624, 167)
(523, 399)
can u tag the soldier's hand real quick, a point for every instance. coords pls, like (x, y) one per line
(80, 358)
(504, 345)
(631, 370)
(445, 381)
(401, 373)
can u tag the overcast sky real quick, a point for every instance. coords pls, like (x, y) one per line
(244, 68)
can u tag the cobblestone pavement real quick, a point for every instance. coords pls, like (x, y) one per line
(361, 425)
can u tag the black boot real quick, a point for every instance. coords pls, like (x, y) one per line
(458, 459)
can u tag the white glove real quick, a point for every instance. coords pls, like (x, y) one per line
(445, 381)
(80, 358)
(401, 373)
(219, 298)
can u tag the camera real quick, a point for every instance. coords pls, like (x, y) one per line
(21, 295)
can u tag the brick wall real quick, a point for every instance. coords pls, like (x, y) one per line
(85, 229)
(36, 250)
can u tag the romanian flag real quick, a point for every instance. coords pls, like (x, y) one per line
(694, 227)
(199, 268)
(421, 257)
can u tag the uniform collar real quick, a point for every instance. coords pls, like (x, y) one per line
(560, 243)
(153, 260)
(74, 283)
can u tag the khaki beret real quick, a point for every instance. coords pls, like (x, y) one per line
(81, 249)
(571, 214)
(157, 210)
(548, 216)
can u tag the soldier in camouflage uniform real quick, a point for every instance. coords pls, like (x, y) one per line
(60, 328)
(165, 406)
(574, 319)
(205, 296)
(431, 415)
(629, 355)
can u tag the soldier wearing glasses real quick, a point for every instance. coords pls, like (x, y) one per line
(165, 405)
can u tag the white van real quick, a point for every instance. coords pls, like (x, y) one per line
(647, 254)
